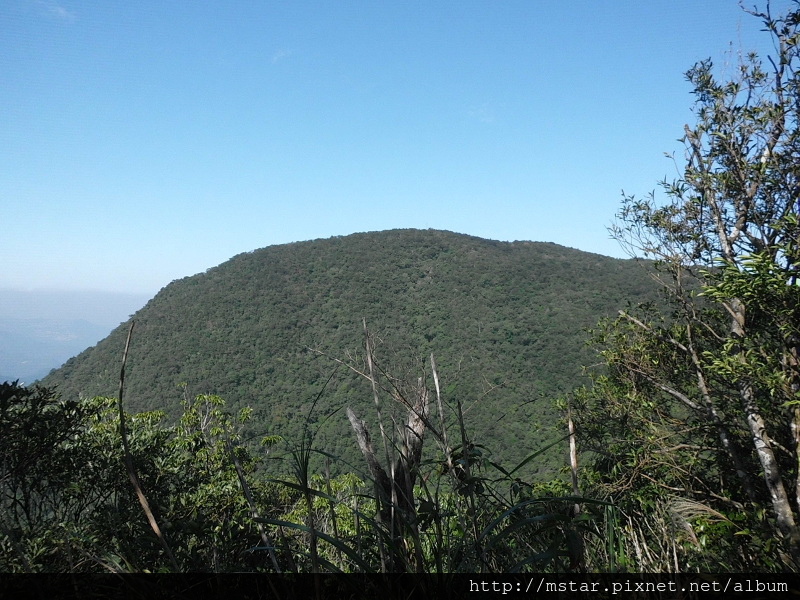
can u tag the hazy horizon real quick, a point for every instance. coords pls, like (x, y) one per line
(40, 330)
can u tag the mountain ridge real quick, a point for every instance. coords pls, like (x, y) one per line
(271, 328)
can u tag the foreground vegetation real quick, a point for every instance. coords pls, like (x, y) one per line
(689, 434)
(70, 506)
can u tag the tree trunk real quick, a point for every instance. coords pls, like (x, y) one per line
(397, 506)
(766, 456)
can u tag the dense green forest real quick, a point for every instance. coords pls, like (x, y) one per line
(401, 401)
(506, 323)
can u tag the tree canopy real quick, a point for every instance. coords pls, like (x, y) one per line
(698, 414)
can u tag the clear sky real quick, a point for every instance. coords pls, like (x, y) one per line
(144, 141)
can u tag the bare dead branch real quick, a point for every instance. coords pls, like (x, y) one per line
(129, 460)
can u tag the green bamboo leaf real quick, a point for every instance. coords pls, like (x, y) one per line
(545, 519)
(338, 544)
(542, 558)
(537, 453)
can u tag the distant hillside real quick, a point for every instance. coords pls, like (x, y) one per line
(31, 348)
(505, 321)
(39, 330)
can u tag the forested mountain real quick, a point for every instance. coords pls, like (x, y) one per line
(686, 448)
(505, 321)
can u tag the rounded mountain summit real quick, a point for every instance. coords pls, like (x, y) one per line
(281, 330)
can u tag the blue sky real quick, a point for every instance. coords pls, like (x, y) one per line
(146, 141)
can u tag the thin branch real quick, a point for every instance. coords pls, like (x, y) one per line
(129, 461)
(649, 329)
